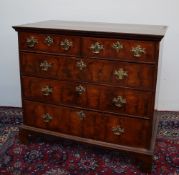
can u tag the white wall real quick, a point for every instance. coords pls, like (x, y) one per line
(160, 12)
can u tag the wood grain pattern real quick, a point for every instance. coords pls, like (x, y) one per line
(66, 120)
(55, 47)
(140, 76)
(77, 93)
(95, 97)
(124, 53)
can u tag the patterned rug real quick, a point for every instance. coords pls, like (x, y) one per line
(60, 157)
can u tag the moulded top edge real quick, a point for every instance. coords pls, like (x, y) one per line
(140, 29)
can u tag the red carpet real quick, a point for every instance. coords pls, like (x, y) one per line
(60, 157)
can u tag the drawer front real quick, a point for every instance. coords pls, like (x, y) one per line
(41, 65)
(130, 50)
(68, 45)
(87, 124)
(90, 70)
(118, 100)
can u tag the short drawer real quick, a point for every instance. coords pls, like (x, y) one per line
(105, 98)
(129, 50)
(87, 124)
(140, 76)
(61, 44)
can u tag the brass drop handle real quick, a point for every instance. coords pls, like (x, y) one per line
(117, 130)
(48, 40)
(80, 65)
(119, 101)
(81, 115)
(47, 117)
(66, 44)
(96, 47)
(120, 74)
(46, 91)
(31, 42)
(117, 46)
(80, 89)
(138, 51)
(45, 65)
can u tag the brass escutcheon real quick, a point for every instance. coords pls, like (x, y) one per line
(118, 130)
(119, 101)
(66, 44)
(117, 46)
(96, 47)
(81, 65)
(46, 91)
(45, 65)
(81, 115)
(138, 51)
(48, 40)
(120, 74)
(80, 89)
(47, 117)
(31, 42)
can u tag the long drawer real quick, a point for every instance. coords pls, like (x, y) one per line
(134, 75)
(106, 98)
(87, 124)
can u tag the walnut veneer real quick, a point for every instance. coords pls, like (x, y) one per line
(91, 82)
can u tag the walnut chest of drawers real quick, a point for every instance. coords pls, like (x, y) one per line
(91, 82)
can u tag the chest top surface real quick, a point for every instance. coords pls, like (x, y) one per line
(157, 31)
